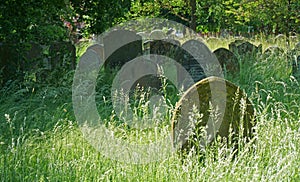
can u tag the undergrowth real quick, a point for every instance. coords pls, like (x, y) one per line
(40, 139)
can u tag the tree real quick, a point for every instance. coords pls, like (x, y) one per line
(32, 20)
(193, 14)
(100, 15)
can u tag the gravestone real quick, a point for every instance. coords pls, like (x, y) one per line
(212, 107)
(121, 46)
(280, 39)
(296, 68)
(225, 33)
(169, 48)
(150, 80)
(157, 35)
(228, 60)
(10, 62)
(34, 57)
(272, 51)
(236, 43)
(293, 39)
(99, 49)
(91, 59)
(62, 55)
(200, 62)
(34, 51)
(293, 55)
(297, 46)
(244, 48)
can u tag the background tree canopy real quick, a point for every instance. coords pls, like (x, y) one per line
(44, 21)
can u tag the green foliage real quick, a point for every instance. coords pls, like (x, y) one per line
(279, 16)
(176, 10)
(99, 15)
(37, 21)
(235, 15)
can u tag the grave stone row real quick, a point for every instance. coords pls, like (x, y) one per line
(118, 51)
(121, 46)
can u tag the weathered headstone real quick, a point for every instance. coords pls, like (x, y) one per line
(228, 60)
(293, 39)
(35, 60)
(62, 55)
(121, 46)
(212, 107)
(244, 48)
(9, 62)
(272, 51)
(34, 51)
(296, 68)
(157, 35)
(146, 77)
(225, 33)
(280, 39)
(169, 48)
(200, 62)
(91, 59)
(166, 47)
(293, 55)
(99, 49)
(297, 46)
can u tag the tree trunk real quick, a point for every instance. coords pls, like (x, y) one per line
(193, 15)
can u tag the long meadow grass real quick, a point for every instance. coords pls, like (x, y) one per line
(40, 139)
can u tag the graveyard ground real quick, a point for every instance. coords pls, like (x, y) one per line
(40, 139)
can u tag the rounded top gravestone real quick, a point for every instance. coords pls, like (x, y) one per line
(34, 51)
(200, 62)
(293, 56)
(166, 47)
(244, 48)
(59, 51)
(228, 60)
(296, 68)
(99, 49)
(198, 117)
(121, 46)
(297, 46)
(9, 62)
(272, 51)
(92, 58)
(280, 39)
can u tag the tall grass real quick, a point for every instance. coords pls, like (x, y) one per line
(41, 141)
